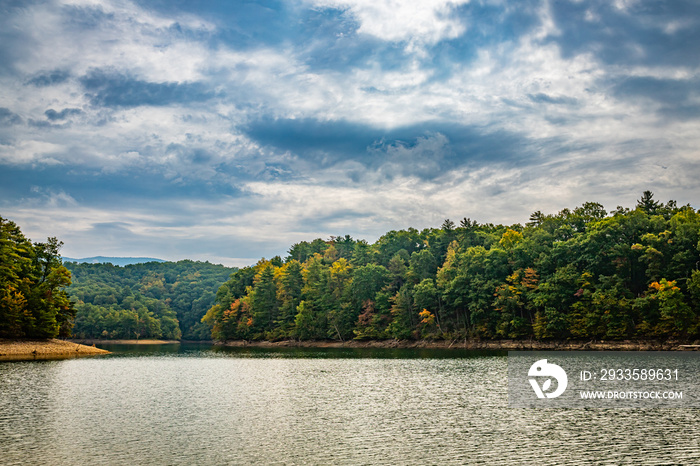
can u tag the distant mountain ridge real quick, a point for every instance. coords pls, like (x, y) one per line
(120, 261)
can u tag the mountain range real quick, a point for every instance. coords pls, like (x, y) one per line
(121, 261)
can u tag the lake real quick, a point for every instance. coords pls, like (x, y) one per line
(205, 405)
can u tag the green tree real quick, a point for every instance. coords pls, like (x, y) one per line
(291, 283)
(647, 203)
(677, 317)
(33, 300)
(341, 315)
(311, 322)
(403, 321)
(263, 298)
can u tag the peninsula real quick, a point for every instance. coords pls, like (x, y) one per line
(44, 349)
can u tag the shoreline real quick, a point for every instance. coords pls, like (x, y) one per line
(489, 345)
(145, 341)
(504, 345)
(19, 350)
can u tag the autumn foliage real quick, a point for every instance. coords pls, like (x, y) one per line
(578, 274)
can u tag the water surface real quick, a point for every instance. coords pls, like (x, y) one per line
(197, 404)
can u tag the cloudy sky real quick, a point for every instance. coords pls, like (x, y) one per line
(229, 130)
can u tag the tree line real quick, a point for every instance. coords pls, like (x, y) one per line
(578, 274)
(582, 273)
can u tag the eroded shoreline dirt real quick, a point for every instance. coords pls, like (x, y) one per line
(44, 349)
(504, 345)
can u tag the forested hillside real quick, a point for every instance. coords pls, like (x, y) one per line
(151, 300)
(578, 274)
(33, 300)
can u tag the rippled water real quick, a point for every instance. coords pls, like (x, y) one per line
(202, 405)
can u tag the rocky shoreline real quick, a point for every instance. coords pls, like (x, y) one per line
(505, 345)
(44, 349)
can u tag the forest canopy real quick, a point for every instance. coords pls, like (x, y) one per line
(150, 300)
(582, 273)
(578, 274)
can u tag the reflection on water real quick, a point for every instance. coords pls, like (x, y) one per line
(194, 404)
(207, 350)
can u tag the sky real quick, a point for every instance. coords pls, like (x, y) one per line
(229, 130)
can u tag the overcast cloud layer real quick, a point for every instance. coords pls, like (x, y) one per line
(227, 131)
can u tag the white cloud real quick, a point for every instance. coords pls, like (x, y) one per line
(416, 22)
(587, 145)
(31, 152)
(127, 38)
